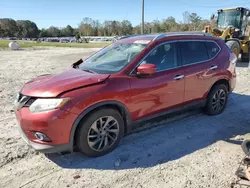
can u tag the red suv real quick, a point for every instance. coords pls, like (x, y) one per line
(92, 105)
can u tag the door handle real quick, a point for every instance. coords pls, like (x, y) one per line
(178, 77)
(213, 67)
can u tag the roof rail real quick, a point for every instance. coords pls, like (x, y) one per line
(194, 33)
(159, 36)
(198, 33)
(124, 37)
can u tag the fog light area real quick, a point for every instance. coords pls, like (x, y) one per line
(42, 137)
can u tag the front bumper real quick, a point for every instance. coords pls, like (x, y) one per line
(42, 147)
(55, 124)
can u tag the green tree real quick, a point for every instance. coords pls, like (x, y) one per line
(53, 32)
(195, 20)
(77, 36)
(96, 26)
(156, 26)
(43, 33)
(1, 32)
(107, 28)
(76, 31)
(85, 27)
(186, 16)
(126, 27)
(90, 27)
(184, 27)
(115, 28)
(27, 28)
(9, 27)
(169, 24)
(137, 29)
(67, 31)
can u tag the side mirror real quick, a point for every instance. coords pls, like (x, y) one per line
(76, 64)
(146, 69)
(212, 17)
(248, 13)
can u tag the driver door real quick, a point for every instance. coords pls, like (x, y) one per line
(163, 89)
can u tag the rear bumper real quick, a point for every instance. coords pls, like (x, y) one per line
(232, 83)
(42, 147)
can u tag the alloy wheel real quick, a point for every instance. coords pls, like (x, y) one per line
(103, 133)
(219, 100)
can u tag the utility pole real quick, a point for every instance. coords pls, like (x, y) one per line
(142, 18)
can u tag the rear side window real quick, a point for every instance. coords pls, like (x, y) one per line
(193, 52)
(212, 49)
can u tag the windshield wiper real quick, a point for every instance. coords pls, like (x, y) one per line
(87, 70)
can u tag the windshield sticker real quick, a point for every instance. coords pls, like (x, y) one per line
(142, 41)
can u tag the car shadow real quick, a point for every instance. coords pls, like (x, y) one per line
(174, 137)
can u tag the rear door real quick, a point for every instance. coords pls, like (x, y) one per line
(200, 66)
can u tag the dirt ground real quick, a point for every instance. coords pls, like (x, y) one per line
(187, 150)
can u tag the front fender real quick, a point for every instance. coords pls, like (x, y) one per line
(92, 108)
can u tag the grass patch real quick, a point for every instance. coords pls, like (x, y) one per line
(29, 44)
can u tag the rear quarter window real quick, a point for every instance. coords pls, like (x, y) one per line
(213, 49)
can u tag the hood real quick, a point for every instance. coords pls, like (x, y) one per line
(53, 85)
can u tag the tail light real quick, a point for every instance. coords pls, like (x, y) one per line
(233, 58)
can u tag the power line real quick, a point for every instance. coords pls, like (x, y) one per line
(214, 6)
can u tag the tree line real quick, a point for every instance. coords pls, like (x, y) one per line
(90, 27)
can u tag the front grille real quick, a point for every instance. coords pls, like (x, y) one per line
(24, 101)
(29, 102)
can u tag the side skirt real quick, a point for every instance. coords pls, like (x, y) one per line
(173, 111)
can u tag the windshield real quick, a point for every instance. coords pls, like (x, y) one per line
(230, 17)
(113, 58)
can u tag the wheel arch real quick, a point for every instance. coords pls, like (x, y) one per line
(224, 81)
(123, 110)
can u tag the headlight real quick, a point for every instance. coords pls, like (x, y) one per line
(41, 105)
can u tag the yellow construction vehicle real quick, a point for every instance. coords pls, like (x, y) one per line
(232, 26)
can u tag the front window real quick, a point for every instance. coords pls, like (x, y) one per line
(229, 18)
(113, 58)
(163, 57)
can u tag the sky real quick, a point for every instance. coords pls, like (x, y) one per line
(60, 13)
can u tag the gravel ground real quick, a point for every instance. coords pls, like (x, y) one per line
(186, 150)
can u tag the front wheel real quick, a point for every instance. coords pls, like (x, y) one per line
(100, 133)
(216, 100)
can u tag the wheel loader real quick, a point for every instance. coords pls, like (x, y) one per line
(232, 26)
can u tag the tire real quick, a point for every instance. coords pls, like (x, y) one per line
(234, 46)
(89, 132)
(210, 108)
(245, 146)
(246, 56)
